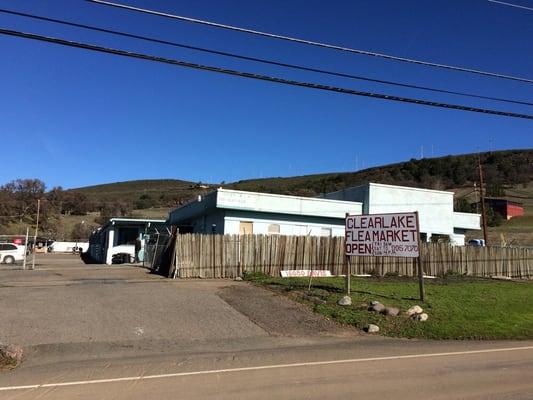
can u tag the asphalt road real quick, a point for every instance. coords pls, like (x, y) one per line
(379, 369)
(120, 333)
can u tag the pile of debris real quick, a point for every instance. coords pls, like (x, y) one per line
(10, 356)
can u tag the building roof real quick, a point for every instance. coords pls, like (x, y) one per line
(136, 220)
(265, 203)
(502, 199)
(131, 221)
(374, 184)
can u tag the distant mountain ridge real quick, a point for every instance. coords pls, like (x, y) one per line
(501, 169)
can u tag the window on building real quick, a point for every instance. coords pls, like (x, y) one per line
(325, 232)
(438, 238)
(273, 229)
(246, 228)
(127, 235)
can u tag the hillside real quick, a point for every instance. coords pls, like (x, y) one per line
(502, 169)
(74, 213)
(154, 192)
(508, 173)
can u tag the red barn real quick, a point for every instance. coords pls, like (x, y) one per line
(506, 208)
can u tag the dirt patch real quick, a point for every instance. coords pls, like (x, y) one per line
(279, 315)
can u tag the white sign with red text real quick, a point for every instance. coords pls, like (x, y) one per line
(382, 235)
(295, 273)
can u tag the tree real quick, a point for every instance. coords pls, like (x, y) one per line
(495, 190)
(462, 205)
(76, 204)
(24, 194)
(493, 218)
(81, 231)
(109, 210)
(144, 201)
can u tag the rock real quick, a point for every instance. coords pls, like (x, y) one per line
(239, 278)
(10, 356)
(392, 311)
(421, 317)
(376, 306)
(371, 328)
(414, 311)
(502, 277)
(317, 300)
(345, 301)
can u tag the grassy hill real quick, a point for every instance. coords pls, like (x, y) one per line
(503, 169)
(508, 173)
(159, 189)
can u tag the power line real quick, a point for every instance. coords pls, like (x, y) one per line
(311, 43)
(260, 60)
(511, 5)
(258, 76)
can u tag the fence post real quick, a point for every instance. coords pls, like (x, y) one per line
(155, 252)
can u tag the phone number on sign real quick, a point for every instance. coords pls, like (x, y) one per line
(385, 248)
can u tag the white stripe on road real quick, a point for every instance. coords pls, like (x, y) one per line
(262, 367)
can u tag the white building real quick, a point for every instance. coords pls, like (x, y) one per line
(435, 208)
(226, 211)
(119, 235)
(68, 247)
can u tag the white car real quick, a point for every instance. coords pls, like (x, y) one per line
(11, 253)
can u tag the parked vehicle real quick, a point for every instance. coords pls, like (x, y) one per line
(11, 253)
(476, 242)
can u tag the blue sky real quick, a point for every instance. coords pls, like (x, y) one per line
(75, 118)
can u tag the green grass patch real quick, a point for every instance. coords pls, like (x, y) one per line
(458, 307)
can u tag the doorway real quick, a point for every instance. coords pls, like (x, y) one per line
(246, 228)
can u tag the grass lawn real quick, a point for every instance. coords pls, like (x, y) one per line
(458, 307)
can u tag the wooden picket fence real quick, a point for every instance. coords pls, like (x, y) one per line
(229, 256)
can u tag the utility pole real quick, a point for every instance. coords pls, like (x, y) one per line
(476, 198)
(482, 200)
(35, 236)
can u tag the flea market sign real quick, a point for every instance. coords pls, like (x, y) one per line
(382, 235)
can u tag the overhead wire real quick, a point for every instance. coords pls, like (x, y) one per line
(250, 75)
(310, 42)
(511, 5)
(260, 60)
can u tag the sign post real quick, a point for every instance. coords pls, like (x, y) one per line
(391, 235)
(348, 269)
(420, 265)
